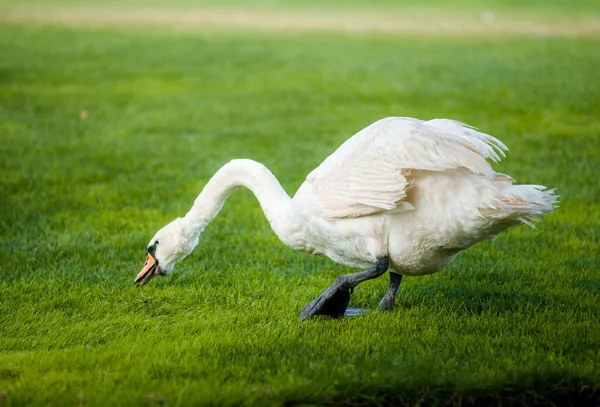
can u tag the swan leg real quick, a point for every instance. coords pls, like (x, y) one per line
(388, 300)
(334, 301)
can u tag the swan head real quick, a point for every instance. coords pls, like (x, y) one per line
(169, 245)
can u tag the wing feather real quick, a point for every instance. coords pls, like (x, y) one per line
(370, 172)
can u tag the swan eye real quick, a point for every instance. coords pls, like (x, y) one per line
(156, 243)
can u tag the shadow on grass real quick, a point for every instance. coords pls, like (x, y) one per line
(561, 392)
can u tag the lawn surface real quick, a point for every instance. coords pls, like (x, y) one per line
(531, 8)
(107, 135)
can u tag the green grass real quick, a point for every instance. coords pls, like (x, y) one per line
(512, 319)
(531, 8)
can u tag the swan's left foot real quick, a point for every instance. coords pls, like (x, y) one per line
(334, 301)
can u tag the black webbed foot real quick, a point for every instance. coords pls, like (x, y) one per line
(386, 304)
(388, 300)
(333, 303)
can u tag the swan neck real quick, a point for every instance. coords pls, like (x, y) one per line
(275, 202)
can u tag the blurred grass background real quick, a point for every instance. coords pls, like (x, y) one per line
(532, 8)
(108, 133)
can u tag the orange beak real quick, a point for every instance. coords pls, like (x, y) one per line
(148, 270)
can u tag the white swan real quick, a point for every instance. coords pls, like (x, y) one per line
(403, 194)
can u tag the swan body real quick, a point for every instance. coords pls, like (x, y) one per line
(403, 194)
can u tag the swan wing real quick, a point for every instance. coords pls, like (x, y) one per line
(371, 171)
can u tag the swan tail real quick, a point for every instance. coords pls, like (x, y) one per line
(521, 204)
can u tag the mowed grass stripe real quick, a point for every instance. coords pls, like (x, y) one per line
(394, 23)
(82, 194)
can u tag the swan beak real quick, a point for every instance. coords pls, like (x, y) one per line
(148, 271)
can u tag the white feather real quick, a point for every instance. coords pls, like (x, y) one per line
(369, 173)
(417, 192)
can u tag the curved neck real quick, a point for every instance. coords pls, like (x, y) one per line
(275, 203)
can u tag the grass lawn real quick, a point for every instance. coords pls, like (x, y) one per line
(531, 8)
(107, 135)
